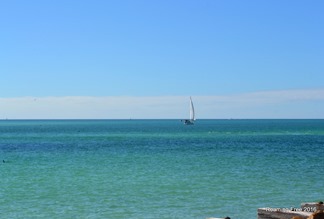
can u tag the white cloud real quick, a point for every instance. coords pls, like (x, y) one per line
(90, 107)
(266, 104)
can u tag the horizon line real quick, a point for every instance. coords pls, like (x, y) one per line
(130, 119)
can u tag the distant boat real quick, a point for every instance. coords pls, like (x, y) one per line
(191, 119)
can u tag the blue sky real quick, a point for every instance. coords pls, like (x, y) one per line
(149, 48)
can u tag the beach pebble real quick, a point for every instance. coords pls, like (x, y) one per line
(317, 215)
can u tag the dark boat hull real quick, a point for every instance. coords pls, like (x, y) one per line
(188, 122)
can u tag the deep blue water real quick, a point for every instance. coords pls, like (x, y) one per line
(158, 168)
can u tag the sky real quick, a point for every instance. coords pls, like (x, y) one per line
(143, 59)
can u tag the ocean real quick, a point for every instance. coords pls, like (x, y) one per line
(158, 168)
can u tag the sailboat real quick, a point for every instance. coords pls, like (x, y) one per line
(191, 119)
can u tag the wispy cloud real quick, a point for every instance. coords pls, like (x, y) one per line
(265, 104)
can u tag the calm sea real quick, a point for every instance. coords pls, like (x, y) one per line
(158, 168)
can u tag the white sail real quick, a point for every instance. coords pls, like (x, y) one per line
(192, 111)
(192, 117)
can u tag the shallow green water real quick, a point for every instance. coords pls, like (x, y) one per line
(158, 168)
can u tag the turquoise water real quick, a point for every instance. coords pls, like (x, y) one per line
(158, 168)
